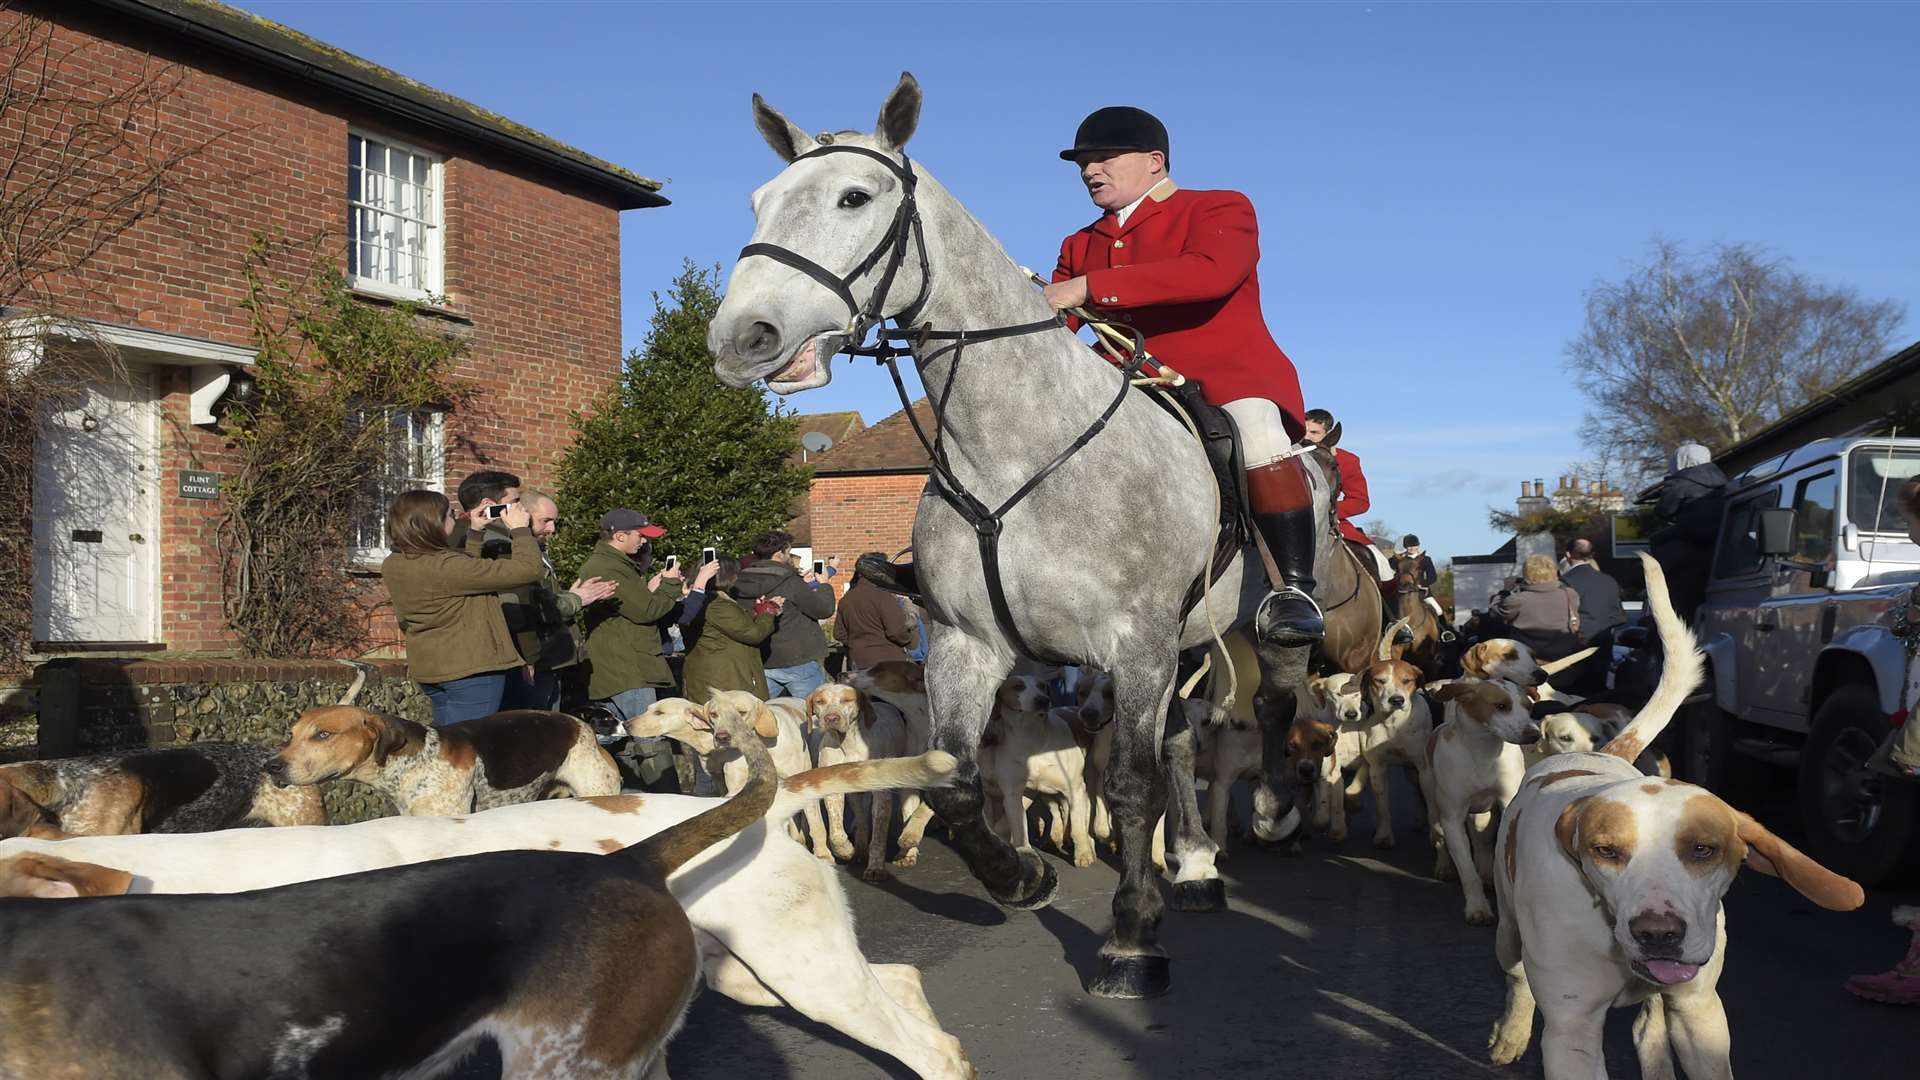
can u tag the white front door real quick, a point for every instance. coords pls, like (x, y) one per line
(95, 489)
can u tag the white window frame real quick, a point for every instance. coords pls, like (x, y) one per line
(390, 486)
(436, 222)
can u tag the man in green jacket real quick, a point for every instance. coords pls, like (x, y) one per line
(623, 631)
(541, 616)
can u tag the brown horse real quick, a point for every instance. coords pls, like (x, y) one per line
(1348, 592)
(1410, 604)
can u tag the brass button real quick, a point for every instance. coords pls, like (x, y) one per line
(1119, 243)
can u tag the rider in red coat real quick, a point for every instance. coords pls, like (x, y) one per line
(1181, 267)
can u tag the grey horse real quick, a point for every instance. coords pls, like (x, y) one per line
(1096, 560)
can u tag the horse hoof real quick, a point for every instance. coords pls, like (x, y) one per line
(1042, 894)
(1132, 977)
(1206, 895)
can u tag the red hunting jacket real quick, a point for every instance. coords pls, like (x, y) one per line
(1182, 271)
(1353, 495)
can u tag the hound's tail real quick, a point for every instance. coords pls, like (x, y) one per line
(933, 769)
(1384, 651)
(670, 849)
(1678, 677)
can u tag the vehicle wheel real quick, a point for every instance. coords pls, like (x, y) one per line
(1707, 757)
(1859, 823)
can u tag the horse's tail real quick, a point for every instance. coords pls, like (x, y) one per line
(1385, 651)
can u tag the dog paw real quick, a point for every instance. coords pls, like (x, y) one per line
(1384, 841)
(843, 852)
(1083, 855)
(908, 858)
(823, 855)
(1506, 1047)
(1480, 917)
(881, 873)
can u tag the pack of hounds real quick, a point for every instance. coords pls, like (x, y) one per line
(521, 898)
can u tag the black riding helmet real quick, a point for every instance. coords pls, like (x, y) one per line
(1118, 127)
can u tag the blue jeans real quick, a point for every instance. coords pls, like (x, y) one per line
(466, 699)
(542, 692)
(796, 681)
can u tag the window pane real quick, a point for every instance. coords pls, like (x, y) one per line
(390, 232)
(353, 241)
(1739, 552)
(1874, 478)
(1813, 503)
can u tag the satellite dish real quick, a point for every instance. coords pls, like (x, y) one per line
(816, 442)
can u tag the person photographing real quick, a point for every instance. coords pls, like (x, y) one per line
(447, 604)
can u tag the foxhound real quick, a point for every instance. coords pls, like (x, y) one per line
(1475, 763)
(171, 789)
(509, 757)
(390, 972)
(1610, 892)
(1028, 753)
(854, 726)
(771, 922)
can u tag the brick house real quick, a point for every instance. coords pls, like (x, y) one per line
(417, 193)
(866, 490)
(819, 434)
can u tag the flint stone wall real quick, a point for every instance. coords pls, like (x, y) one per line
(91, 706)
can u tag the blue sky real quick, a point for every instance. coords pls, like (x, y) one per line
(1437, 183)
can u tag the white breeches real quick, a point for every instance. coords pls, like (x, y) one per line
(1382, 566)
(1263, 435)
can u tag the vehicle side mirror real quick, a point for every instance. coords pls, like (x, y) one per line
(1776, 533)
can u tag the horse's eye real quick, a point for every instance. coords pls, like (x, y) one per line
(854, 200)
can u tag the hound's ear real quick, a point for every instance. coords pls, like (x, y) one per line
(1474, 661)
(46, 877)
(1769, 854)
(1452, 691)
(389, 734)
(1567, 828)
(813, 701)
(765, 724)
(900, 115)
(782, 134)
(865, 705)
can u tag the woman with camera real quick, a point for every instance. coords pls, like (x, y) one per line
(726, 654)
(448, 605)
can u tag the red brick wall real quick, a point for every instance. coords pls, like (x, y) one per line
(853, 515)
(531, 269)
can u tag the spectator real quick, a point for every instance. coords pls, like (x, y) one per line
(1691, 499)
(541, 616)
(448, 606)
(478, 494)
(1544, 614)
(677, 629)
(871, 623)
(623, 633)
(1600, 615)
(726, 654)
(1900, 755)
(793, 657)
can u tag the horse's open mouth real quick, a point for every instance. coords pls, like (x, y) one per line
(804, 367)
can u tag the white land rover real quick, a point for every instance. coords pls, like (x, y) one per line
(1805, 671)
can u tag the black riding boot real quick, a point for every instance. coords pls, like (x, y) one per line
(893, 577)
(1282, 501)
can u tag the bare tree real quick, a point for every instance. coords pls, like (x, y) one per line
(1713, 348)
(1381, 532)
(81, 164)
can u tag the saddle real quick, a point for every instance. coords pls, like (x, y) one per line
(1220, 437)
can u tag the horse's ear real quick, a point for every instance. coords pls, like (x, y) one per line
(1333, 436)
(900, 115)
(782, 134)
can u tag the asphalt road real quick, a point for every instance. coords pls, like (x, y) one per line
(1346, 962)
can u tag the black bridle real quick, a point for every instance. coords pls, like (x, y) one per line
(891, 343)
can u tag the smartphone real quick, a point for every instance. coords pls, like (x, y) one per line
(709, 555)
(673, 562)
(494, 511)
(819, 568)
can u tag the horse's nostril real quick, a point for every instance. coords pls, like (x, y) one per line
(759, 341)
